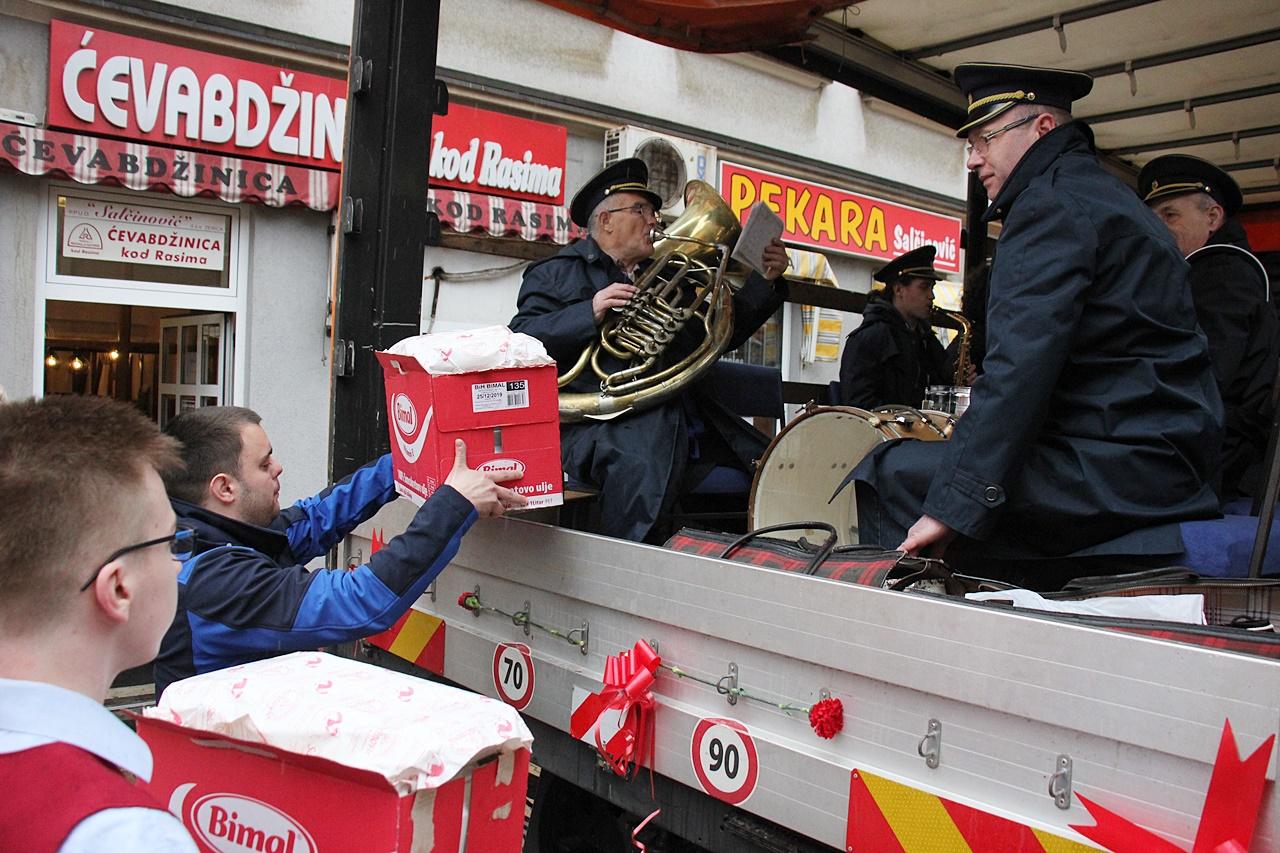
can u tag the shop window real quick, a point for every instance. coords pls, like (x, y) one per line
(103, 350)
(764, 347)
(142, 241)
(113, 239)
(140, 296)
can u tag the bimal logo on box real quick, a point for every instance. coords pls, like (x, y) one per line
(499, 465)
(230, 823)
(406, 414)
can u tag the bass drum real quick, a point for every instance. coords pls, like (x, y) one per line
(809, 459)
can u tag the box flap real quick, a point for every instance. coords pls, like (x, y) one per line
(312, 763)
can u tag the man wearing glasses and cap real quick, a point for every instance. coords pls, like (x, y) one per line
(88, 564)
(893, 355)
(639, 460)
(1096, 424)
(1197, 201)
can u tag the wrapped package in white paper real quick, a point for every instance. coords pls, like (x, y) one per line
(487, 348)
(416, 733)
(1163, 608)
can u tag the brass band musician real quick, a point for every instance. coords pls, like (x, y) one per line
(639, 460)
(1095, 426)
(1197, 201)
(893, 356)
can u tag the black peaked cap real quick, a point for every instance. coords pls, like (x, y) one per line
(918, 263)
(994, 87)
(1179, 174)
(630, 175)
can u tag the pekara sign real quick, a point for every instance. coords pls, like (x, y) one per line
(483, 151)
(137, 234)
(115, 85)
(832, 219)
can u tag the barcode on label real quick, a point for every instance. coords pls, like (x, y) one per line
(495, 396)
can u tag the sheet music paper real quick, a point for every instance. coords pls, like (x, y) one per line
(763, 226)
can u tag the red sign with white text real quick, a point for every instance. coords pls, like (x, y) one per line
(115, 85)
(837, 220)
(488, 152)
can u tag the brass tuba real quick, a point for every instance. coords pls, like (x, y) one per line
(685, 283)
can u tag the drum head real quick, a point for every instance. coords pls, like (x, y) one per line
(806, 462)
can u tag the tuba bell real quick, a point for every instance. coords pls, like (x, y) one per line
(687, 283)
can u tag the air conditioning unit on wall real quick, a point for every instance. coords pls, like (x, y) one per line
(672, 161)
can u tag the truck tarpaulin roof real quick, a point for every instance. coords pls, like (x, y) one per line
(708, 26)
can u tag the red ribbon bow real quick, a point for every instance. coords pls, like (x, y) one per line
(627, 678)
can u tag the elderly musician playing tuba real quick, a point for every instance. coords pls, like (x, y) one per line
(640, 459)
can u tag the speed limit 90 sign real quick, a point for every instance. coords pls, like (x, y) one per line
(513, 674)
(724, 759)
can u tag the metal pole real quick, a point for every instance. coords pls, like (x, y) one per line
(384, 218)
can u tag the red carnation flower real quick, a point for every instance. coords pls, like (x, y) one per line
(827, 718)
(469, 601)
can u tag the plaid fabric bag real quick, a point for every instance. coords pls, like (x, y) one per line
(867, 565)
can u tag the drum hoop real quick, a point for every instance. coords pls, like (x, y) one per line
(895, 408)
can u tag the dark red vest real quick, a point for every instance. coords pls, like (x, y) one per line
(47, 790)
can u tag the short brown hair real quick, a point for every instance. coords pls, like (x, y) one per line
(211, 445)
(67, 465)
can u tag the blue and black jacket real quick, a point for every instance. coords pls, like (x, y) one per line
(246, 595)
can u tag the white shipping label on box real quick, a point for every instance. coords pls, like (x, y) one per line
(496, 396)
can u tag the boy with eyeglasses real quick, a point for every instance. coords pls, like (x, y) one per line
(88, 567)
(1096, 424)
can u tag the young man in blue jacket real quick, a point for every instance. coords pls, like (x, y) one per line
(245, 594)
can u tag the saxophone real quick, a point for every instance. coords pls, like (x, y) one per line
(963, 361)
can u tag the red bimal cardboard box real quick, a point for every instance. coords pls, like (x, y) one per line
(311, 752)
(236, 796)
(509, 418)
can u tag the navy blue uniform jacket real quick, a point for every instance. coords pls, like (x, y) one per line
(637, 460)
(1096, 423)
(885, 362)
(246, 595)
(1229, 287)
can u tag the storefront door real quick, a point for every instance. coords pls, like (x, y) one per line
(193, 363)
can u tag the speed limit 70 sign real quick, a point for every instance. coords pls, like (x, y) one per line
(724, 759)
(513, 674)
